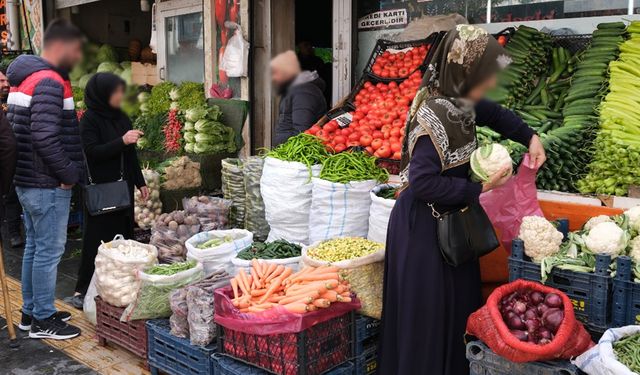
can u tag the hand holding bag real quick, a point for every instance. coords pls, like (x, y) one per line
(109, 196)
(464, 235)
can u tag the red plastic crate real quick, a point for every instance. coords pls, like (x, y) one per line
(310, 352)
(129, 335)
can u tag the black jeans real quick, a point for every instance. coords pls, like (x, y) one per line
(12, 212)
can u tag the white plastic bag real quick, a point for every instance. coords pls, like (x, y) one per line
(89, 303)
(365, 275)
(286, 192)
(601, 359)
(218, 258)
(236, 56)
(339, 210)
(115, 273)
(379, 214)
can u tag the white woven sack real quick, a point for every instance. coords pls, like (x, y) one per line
(286, 192)
(219, 257)
(379, 214)
(339, 210)
(601, 359)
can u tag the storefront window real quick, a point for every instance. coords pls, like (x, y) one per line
(533, 10)
(185, 48)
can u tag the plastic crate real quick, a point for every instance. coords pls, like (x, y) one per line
(310, 352)
(483, 361)
(591, 293)
(224, 365)
(174, 355)
(573, 43)
(626, 294)
(366, 362)
(367, 332)
(129, 335)
(383, 45)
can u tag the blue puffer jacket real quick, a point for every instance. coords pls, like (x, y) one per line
(44, 120)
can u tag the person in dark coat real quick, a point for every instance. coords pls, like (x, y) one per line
(107, 139)
(426, 302)
(50, 163)
(302, 102)
(7, 157)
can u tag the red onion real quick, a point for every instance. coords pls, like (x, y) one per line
(533, 325)
(545, 333)
(552, 319)
(519, 307)
(553, 300)
(520, 335)
(516, 323)
(542, 308)
(536, 297)
(532, 313)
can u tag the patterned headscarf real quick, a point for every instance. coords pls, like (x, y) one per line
(466, 57)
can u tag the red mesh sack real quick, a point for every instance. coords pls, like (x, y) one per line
(273, 321)
(487, 325)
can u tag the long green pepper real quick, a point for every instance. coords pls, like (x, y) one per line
(351, 166)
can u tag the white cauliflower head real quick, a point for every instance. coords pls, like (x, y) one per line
(595, 221)
(541, 238)
(633, 214)
(487, 160)
(607, 239)
(634, 253)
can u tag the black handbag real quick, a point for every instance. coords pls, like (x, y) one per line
(465, 235)
(107, 197)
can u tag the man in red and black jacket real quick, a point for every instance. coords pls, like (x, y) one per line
(50, 162)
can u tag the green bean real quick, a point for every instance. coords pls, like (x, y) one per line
(388, 193)
(170, 269)
(627, 352)
(350, 166)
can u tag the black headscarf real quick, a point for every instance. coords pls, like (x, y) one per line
(466, 56)
(98, 92)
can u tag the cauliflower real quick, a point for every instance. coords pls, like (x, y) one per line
(633, 214)
(595, 221)
(634, 253)
(488, 160)
(541, 238)
(607, 239)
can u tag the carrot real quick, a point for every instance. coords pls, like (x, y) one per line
(314, 288)
(326, 269)
(321, 302)
(307, 298)
(243, 281)
(278, 271)
(330, 295)
(245, 310)
(305, 271)
(255, 309)
(275, 299)
(331, 284)
(243, 304)
(340, 289)
(234, 286)
(258, 292)
(266, 305)
(346, 294)
(256, 266)
(345, 299)
(272, 288)
(272, 267)
(311, 307)
(296, 274)
(320, 276)
(243, 287)
(256, 281)
(286, 273)
(296, 308)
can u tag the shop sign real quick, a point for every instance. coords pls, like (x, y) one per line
(384, 19)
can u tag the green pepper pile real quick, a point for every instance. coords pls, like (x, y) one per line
(628, 352)
(352, 166)
(303, 148)
(170, 269)
(278, 249)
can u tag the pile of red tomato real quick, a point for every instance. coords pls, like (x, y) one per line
(399, 64)
(378, 120)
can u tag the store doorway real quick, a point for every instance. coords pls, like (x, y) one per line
(313, 38)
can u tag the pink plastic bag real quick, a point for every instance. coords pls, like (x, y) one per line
(509, 203)
(273, 321)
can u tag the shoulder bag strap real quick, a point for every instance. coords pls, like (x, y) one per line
(86, 163)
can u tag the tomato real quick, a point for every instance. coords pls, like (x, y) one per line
(383, 152)
(377, 134)
(385, 128)
(322, 134)
(395, 132)
(355, 136)
(369, 150)
(313, 130)
(330, 126)
(397, 123)
(339, 139)
(397, 155)
(502, 40)
(353, 144)
(376, 143)
(339, 147)
(366, 140)
(396, 146)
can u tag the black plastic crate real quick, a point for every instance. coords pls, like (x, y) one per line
(483, 361)
(313, 351)
(367, 333)
(590, 293)
(626, 294)
(573, 43)
(224, 365)
(384, 45)
(174, 355)
(366, 362)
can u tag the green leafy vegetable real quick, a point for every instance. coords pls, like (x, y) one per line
(159, 101)
(278, 249)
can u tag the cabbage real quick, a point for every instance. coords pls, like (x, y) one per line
(82, 82)
(76, 73)
(189, 126)
(126, 76)
(107, 67)
(106, 53)
(195, 114)
(189, 148)
(125, 65)
(202, 125)
(190, 136)
(117, 71)
(488, 160)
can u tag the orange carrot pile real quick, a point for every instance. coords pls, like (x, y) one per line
(269, 285)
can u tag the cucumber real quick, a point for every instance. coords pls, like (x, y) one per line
(578, 110)
(610, 25)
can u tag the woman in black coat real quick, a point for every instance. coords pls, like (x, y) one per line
(107, 138)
